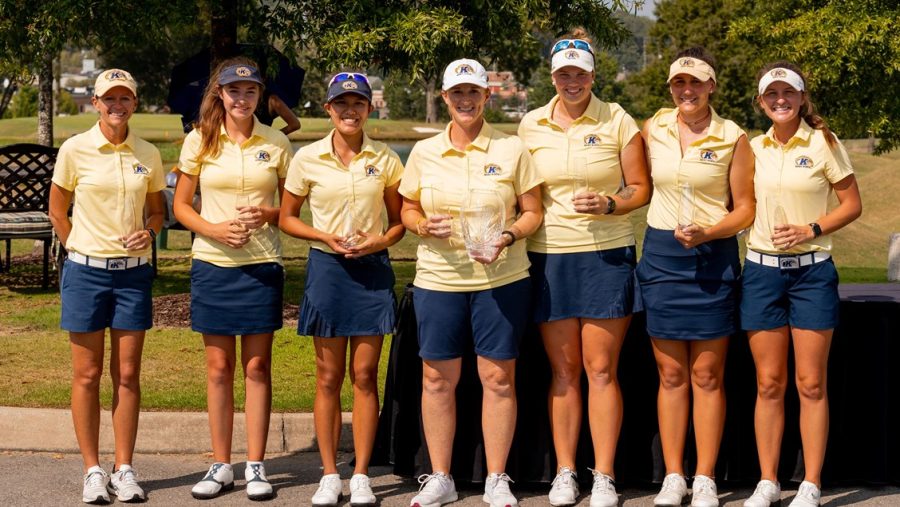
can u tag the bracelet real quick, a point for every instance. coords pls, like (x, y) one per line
(512, 237)
(419, 231)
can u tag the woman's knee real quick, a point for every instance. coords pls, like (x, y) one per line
(672, 376)
(811, 387)
(770, 387)
(566, 373)
(499, 382)
(220, 371)
(365, 379)
(258, 370)
(435, 384)
(706, 378)
(88, 376)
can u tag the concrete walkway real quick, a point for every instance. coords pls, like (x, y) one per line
(39, 465)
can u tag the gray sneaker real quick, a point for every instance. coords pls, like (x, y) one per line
(436, 489)
(123, 484)
(95, 481)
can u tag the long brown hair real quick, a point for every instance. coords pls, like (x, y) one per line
(808, 109)
(212, 111)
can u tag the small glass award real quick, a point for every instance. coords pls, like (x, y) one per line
(685, 205)
(482, 218)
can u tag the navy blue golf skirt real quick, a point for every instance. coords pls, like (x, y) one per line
(593, 285)
(689, 294)
(237, 300)
(347, 297)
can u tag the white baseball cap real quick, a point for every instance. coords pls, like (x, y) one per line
(109, 79)
(464, 71)
(692, 67)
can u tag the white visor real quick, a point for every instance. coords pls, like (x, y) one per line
(781, 74)
(580, 58)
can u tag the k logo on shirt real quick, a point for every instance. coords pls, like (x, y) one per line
(140, 169)
(803, 162)
(708, 156)
(492, 170)
(262, 156)
(372, 171)
(592, 140)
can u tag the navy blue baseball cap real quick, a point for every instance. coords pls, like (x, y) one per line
(239, 72)
(349, 82)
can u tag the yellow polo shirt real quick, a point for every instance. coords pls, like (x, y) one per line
(598, 138)
(110, 185)
(705, 165)
(440, 176)
(317, 173)
(799, 174)
(246, 172)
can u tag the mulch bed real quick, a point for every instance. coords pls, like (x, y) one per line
(174, 310)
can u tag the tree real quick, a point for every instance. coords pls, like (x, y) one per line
(850, 51)
(24, 103)
(418, 38)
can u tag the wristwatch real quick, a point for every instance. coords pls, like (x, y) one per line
(610, 205)
(152, 234)
(512, 237)
(817, 231)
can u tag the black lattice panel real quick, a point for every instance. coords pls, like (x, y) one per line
(25, 174)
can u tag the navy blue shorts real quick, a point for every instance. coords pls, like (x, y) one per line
(96, 298)
(347, 297)
(494, 319)
(689, 294)
(593, 285)
(236, 301)
(805, 298)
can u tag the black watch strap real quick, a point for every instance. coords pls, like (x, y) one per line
(817, 230)
(152, 233)
(610, 205)
(512, 237)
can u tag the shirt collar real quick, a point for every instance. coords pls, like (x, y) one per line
(592, 112)
(481, 142)
(716, 127)
(326, 146)
(256, 132)
(100, 140)
(803, 133)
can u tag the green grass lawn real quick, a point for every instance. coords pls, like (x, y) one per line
(34, 353)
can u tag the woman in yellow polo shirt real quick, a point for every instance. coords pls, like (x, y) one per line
(790, 282)
(702, 171)
(591, 158)
(114, 177)
(348, 180)
(236, 272)
(461, 296)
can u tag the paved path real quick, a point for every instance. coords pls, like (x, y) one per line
(41, 478)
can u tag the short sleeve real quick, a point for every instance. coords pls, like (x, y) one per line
(157, 173)
(187, 161)
(837, 164)
(64, 170)
(287, 152)
(295, 181)
(395, 169)
(410, 186)
(627, 130)
(526, 174)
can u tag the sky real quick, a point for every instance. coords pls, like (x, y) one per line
(647, 9)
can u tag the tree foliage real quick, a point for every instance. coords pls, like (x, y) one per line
(850, 51)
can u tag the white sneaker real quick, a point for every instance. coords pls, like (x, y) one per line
(329, 492)
(123, 484)
(258, 486)
(497, 493)
(672, 492)
(361, 491)
(95, 481)
(219, 478)
(703, 492)
(807, 496)
(436, 489)
(564, 490)
(766, 493)
(603, 493)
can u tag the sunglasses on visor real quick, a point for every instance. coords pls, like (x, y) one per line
(348, 76)
(571, 43)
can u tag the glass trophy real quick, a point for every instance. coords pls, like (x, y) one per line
(482, 218)
(685, 205)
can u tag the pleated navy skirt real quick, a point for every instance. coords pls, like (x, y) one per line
(689, 294)
(347, 297)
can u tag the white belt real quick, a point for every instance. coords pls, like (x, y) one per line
(116, 263)
(787, 261)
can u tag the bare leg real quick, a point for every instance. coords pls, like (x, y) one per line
(498, 411)
(811, 356)
(126, 348)
(256, 359)
(220, 362)
(601, 344)
(707, 372)
(674, 400)
(439, 380)
(87, 366)
(331, 361)
(562, 341)
(364, 354)
(770, 354)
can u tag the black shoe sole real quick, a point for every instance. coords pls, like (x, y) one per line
(258, 498)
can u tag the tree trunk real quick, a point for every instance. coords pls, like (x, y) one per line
(223, 30)
(45, 101)
(431, 100)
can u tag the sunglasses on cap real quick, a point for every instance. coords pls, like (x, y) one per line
(348, 76)
(571, 43)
